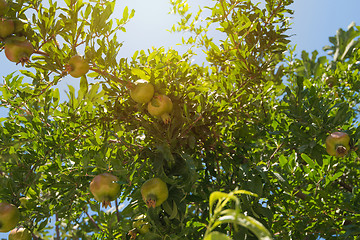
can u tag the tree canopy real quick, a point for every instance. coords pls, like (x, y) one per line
(238, 145)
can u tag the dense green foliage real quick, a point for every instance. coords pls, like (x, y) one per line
(243, 156)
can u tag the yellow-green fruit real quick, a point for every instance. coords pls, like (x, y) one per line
(7, 27)
(141, 225)
(338, 144)
(18, 49)
(161, 106)
(20, 234)
(105, 188)
(154, 192)
(142, 91)
(9, 216)
(330, 81)
(77, 66)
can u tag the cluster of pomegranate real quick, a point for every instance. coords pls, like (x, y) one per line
(9, 219)
(105, 188)
(160, 106)
(17, 48)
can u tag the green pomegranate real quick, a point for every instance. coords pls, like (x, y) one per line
(330, 81)
(142, 91)
(9, 216)
(7, 27)
(105, 188)
(337, 144)
(161, 106)
(20, 234)
(154, 192)
(18, 49)
(77, 66)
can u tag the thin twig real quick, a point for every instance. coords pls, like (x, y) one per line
(57, 230)
(109, 76)
(191, 126)
(91, 219)
(41, 53)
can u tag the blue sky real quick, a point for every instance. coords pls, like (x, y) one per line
(313, 22)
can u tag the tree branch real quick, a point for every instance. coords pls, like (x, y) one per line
(91, 219)
(111, 77)
(57, 229)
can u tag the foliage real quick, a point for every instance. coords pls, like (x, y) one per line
(233, 216)
(253, 117)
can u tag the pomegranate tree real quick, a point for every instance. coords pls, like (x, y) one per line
(142, 91)
(20, 234)
(161, 106)
(7, 27)
(77, 66)
(9, 216)
(18, 49)
(154, 192)
(105, 188)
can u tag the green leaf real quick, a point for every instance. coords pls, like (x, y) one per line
(307, 159)
(283, 161)
(233, 216)
(125, 14)
(83, 88)
(20, 135)
(140, 73)
(98, 136)
(282, 180)
(214, 196)
(336, 176)
(245, 192)
(174, 211)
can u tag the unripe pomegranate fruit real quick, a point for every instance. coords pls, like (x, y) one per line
(337, 144)
(142, 91)
(9, 216)
(7, 27)
(18, 50)
(20, 234)
(154, 192)
(330, 81)
(161, 106)
(77, 66)
(105, 188)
